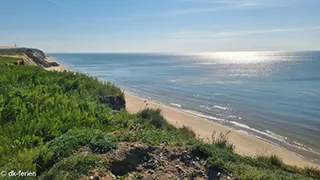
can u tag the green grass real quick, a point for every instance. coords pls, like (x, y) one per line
(7, 60)
(46, 118)
(67, 143)
(154, 118)
(74, 167)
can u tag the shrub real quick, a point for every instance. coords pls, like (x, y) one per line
(202, 150)
(273, 160)
(102, 143)
(223, 141)
(311, 172)
(153, 135)
(155, 118)
(216, 163)
(186, 130)
(38, 106)
(64, 145)
(74, 167)
(22, 161)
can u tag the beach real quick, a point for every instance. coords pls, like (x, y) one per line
(245, 144)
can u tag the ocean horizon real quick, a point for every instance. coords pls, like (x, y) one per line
(273, 96)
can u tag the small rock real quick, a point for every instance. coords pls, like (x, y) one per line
(197, 159)
(180, 169)
(218, 174)
(151, 171)
(186, 174)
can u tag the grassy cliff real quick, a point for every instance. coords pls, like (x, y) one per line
(53, 123)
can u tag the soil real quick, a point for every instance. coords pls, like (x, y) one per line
(140, 161)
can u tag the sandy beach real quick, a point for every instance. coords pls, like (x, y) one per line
(245, 144)
(59, 68)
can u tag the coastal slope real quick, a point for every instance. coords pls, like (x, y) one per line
(245, 144)
(53, 125)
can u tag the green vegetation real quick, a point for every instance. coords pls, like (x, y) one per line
(7, 60)
(53, 123)
(74, 167)
(63, 146)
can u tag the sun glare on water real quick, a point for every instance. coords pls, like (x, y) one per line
(240, 57)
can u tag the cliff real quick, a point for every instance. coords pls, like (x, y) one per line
(29, 55)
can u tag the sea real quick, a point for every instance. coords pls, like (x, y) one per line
(273, 96)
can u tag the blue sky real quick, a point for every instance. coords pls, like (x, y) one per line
(161, 25)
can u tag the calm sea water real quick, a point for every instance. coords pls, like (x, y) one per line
(274, 96)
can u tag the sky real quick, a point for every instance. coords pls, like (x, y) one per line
(161, 25)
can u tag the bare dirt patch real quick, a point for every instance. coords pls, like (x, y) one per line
(140, 161)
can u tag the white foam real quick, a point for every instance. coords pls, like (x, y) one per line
(218, 94)
(299, 144)
(277, 136)
(241, 131)
(232, 116)
(203, 116)
(266, 133)
(177, 105)
(221, 107)
(205, 107)
(240, 125)
(173, 80)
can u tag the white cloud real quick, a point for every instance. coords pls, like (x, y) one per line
(208, 34)
(54, 1)
(244, 2)
(206, 6)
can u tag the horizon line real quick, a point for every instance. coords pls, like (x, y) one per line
(128, 52)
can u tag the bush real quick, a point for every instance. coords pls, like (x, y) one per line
(202, 150)
(74, 167)
(37, 106)
(22, 161)
(216, 163)
(311, 172)
(186, 130)
(153, 136)
(64, 146)
(102, 143)
(273, 160)
(155, 118)
(222, 141)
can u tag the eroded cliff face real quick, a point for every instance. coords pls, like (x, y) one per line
(114, 102)
(30, 55)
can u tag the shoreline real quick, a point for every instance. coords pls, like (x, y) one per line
(245, 144)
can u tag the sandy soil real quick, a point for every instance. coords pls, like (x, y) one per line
(8, 47)
(245, 144)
